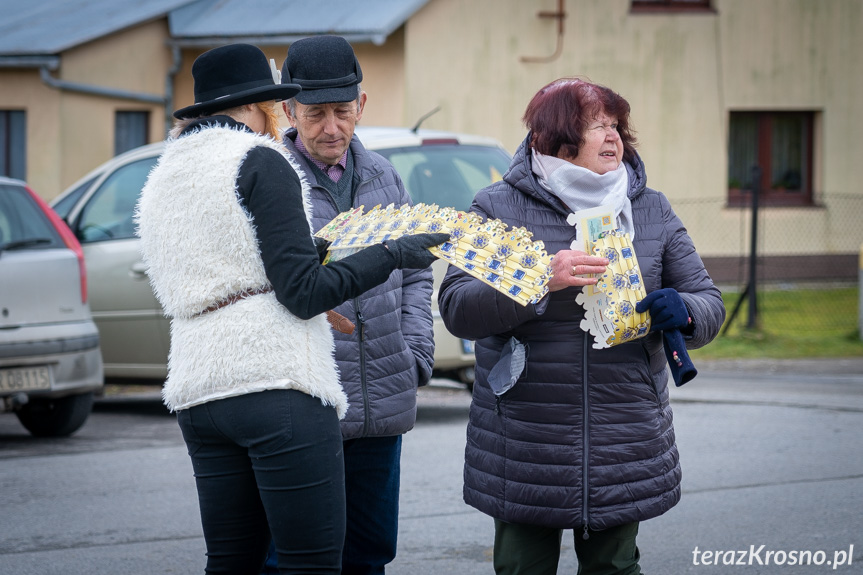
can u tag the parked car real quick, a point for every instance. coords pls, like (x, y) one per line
(444, 168)
(50, 362)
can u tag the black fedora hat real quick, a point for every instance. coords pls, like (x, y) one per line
(230, 76)
(325, 67)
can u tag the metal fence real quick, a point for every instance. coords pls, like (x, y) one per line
(797, 287)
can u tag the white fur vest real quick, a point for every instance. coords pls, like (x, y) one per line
(200, 248)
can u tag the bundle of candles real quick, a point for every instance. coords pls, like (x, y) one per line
(610, 304)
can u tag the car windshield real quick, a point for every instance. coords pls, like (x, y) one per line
(65, 205)
(109, 213)
(447, 175)
(22, 222)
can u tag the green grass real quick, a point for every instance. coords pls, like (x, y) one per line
(793, 323)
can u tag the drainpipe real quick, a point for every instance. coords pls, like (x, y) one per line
(177, 53)
(98, 90)
(559, 16)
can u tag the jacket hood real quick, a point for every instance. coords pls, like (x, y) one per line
(520, 175)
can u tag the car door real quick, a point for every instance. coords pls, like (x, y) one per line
(132, 326)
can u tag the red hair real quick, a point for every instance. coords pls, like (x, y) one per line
(560, 113)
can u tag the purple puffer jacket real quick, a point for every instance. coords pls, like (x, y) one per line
(585, 437)
(391, 351)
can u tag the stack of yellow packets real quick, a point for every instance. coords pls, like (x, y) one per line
(610, 309)
(506, 259)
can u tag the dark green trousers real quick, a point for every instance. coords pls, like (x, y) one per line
(530, 550)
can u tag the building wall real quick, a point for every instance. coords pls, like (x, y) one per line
(384, 81)
(383, 78)
(68, 133)
(22, 89)
(135, 60)
(682, 74)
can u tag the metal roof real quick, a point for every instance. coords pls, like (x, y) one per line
(285, 21)
(48, 27)
(41, 28)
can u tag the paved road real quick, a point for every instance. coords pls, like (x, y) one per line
(771, 454)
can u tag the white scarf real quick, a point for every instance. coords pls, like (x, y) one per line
(581, 189)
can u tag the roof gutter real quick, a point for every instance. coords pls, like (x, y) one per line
(49, 62)
(377, 39)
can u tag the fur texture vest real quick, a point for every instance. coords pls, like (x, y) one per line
(200, 248)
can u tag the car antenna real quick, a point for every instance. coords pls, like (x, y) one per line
(424, 118)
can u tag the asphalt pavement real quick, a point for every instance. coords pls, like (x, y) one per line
(771, 454)
(772, 463)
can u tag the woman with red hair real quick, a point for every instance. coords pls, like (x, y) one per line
(563, 435)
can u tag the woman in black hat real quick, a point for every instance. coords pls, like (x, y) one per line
(225, 235)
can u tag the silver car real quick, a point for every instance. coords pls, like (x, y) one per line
(437, 167)
(50, 363)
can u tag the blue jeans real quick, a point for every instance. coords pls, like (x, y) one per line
(268, 463)
(372, 470)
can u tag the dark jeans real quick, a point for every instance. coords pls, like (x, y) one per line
(372, 469)
(532, 550)
(268, 462)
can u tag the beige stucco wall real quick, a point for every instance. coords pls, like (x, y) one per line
(682, 74)
(69, 134)
(804, 55)
(134, 60)
(383, 78)
(24, 90)
(384, 81)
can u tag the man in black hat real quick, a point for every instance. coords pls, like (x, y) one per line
(391, 351)
(228, 247)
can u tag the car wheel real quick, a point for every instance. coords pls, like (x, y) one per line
(55, 417)
(467, 375)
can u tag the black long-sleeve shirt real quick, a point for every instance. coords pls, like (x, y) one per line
(270, 190)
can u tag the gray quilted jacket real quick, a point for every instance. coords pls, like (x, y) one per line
(585, 437)
(391, 351)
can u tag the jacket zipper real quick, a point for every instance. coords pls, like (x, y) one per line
(650, 381)
(361, 333)
(361, 337)
(586, 443)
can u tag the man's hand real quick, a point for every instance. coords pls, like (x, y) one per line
(412, 252)
(570, 268)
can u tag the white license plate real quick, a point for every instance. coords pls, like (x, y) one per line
(26, 378)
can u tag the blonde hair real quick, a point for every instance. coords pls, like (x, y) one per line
(273, 129)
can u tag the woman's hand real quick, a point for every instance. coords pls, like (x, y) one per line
(570, 267)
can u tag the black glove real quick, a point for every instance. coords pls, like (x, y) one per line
(682, 368)
(322, 246)
(411, 252)
(667, 309)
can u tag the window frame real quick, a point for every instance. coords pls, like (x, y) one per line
(671, 6)
(122, 125)
(769, 195)
(13, 161)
